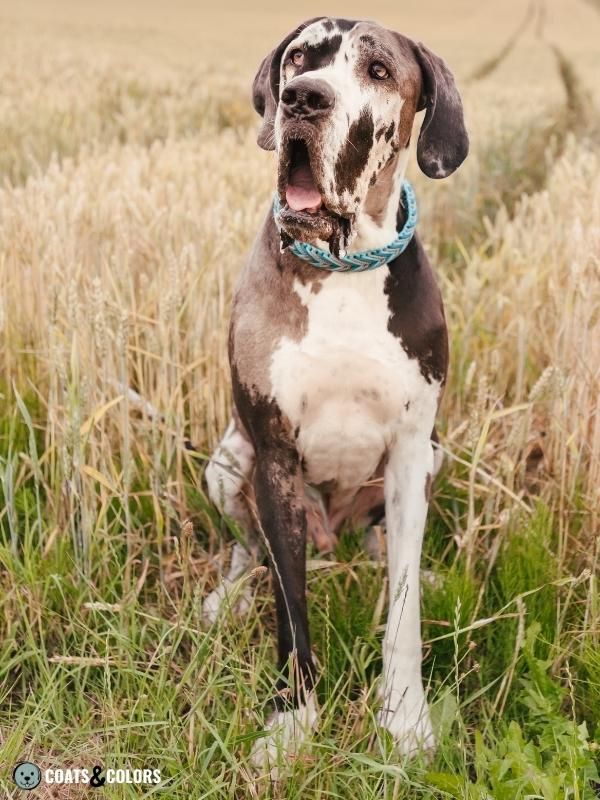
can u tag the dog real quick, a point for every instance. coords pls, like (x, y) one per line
(337, 376)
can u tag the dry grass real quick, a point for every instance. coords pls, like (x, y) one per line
(131, 190)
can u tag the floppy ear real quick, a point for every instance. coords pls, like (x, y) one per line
(443, 141)
(264, 103)
(265, 88)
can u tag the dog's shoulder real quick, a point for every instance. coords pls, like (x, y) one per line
(417, 310)
(266, 306)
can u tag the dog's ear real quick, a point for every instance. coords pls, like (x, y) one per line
(265, 88)
(264, 103)
(443, 141)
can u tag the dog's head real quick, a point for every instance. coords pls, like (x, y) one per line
(338, 99)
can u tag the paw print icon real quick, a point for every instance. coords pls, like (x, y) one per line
(27, 775)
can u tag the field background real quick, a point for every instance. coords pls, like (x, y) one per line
(130, 189)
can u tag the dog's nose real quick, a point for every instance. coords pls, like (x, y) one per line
(307, 98)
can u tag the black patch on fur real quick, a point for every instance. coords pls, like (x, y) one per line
(390, 131)
(377, 514)
(354, 155)
(285, 241)
(340, 235)
(321, 54)
(416, 311)
(345, 25)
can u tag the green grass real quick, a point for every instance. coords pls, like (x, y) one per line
(113, 666)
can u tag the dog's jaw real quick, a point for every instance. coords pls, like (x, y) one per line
(373, 225)
(322, 226)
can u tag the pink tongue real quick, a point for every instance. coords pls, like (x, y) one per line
(301, 193)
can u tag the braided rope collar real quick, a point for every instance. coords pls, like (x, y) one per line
(364, 259)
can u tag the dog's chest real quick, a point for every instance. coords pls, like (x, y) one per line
(348, 386)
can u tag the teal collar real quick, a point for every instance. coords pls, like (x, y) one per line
(364, 259)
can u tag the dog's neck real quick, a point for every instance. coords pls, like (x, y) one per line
(375, 225)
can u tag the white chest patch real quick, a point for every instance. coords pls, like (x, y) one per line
(348, 387)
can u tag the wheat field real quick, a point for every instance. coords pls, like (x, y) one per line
(131, 188)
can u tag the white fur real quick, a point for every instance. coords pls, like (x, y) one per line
(347, 384)
(227, 475)
(237, 599)
(404, 711)
(228, 471)
(285, 733)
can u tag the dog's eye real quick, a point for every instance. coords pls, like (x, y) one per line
(378, 71)
(297, 58)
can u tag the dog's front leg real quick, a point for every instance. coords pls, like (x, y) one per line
(279, 490)
(408, 472)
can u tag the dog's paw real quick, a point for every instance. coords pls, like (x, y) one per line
(409, 724)
(285, 732)
(226, 597)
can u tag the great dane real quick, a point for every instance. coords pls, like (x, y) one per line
(337, 376)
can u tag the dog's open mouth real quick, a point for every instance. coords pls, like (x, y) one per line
(301, 191)
(305, 214)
